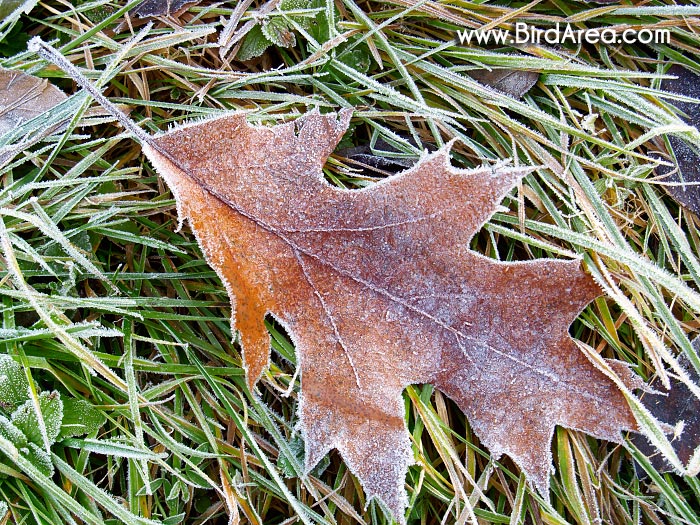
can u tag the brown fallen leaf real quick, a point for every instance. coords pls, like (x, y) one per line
(512, 82)
(379, 290)
(687, 170)
(388, 159)
(675, 405)
(24, 97)
(151, 8)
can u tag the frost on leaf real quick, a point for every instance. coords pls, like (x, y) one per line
(677, 405)
(41, 459)
(26, 419)
(24, 97)
(379, 290)
(12, 433)
(80, 417)
(151, 8)
(513, 82)
(686, 170)
(14, 387)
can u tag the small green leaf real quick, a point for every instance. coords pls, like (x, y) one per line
(195, 479)
(155, 485)
(12, 433)
(25, 417)
(38, 457)
(278, 32)
(254, 44)
(293, 5)
(14, 387)
(359, 59)
(320, 28)
(15, 40)
(296, 445)
(173, 493)
(174, 520)
(80, 417)
(8, 6)
(304, 21)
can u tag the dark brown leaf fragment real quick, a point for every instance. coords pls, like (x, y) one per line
(687, 170)
(673, 406)
(24, 97)
(152, 8)
(512, 82)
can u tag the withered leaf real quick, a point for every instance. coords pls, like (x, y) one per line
(378, 290)
(24, 97)
(384, 156)
(688, 167)
(151, 8)
(513, 82)
(673, 406)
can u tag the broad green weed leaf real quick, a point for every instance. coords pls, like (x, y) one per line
(304, 21)
(359, 59)
(14, 386)
(25, 417)
(292, 5)
(277, 31)
(321, 28)
(80, 417)
(254, 44)
(12, 433)
(7, 7)
(38, 457)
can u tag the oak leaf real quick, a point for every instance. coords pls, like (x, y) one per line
(24, 97)
(378, 289)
